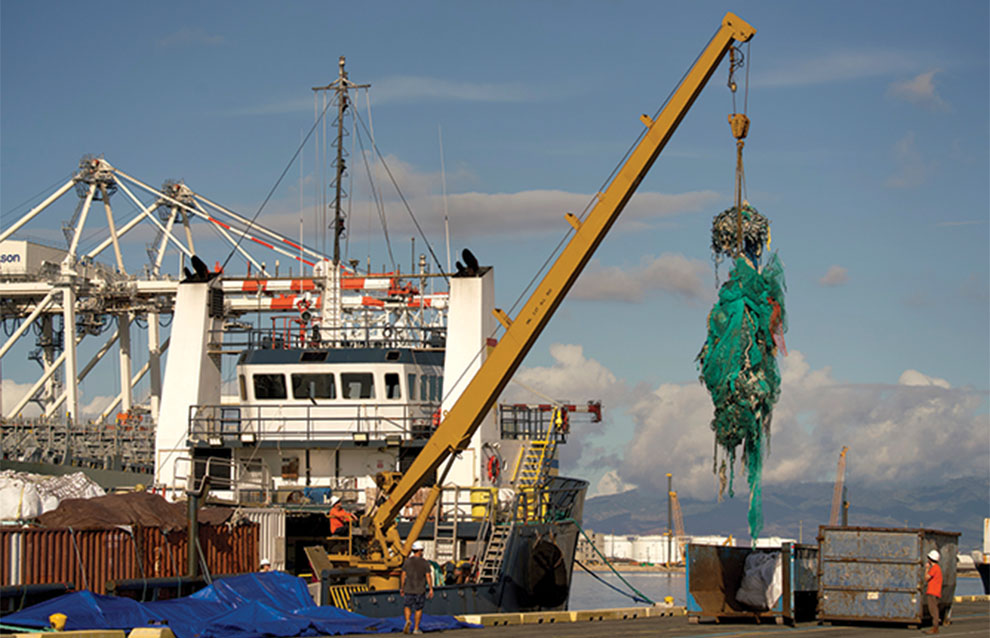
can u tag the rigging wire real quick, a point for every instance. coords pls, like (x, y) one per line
(277, 183)
(377, 197)
(405, 203)
(567, 234)
(37, 195)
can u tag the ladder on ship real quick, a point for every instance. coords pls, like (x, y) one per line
(498, 542)
(534, 465)
(445, 533)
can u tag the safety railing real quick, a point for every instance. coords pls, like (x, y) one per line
(296, 335)
(559, 499)
(527, 423)
(360, 422)
(247, 481)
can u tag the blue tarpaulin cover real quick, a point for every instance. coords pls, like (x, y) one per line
(259, 605)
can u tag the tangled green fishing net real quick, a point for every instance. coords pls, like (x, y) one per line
(738, 366)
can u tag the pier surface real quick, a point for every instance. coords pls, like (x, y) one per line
(968, 619)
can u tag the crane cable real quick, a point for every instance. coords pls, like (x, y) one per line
(740, 128)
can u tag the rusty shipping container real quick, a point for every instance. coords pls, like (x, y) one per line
(877, 574)
(90, 558)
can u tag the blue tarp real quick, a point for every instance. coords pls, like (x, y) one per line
(260, 605)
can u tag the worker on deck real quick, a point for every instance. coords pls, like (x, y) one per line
(340, 519)
(266, 565)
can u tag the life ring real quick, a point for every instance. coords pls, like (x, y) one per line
(494, 468)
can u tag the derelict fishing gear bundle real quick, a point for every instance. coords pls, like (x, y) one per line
(746, 329)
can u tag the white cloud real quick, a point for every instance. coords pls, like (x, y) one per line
(187, 36)
(571, 378)
(912, 170)
(671, 273)
(913, 377)
(610, 483)
(836, 276)
(919, 90)
(835, 66)
(473, 214)
(411, 88)
(13, 392)
(917, 430)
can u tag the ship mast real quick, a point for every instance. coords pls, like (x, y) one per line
(331, 310)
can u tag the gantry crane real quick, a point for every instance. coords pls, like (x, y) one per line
(387, 550)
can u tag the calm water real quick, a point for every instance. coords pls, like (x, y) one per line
(589, 593)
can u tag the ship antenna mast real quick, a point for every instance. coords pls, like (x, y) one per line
(340, 87)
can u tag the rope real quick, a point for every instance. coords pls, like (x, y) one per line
(610, 585)
(82, 567)
(606, 561)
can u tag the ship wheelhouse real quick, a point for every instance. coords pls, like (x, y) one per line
(309, 419)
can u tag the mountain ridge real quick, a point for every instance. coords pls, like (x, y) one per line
(796, 510)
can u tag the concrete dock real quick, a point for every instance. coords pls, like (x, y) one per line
(968, 619)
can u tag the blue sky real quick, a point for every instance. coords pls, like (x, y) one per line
(868, 151)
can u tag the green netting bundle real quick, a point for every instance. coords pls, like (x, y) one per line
(738, 366)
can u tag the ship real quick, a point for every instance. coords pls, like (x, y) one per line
(337, 397)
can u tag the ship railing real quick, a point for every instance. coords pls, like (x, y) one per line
(240, 481)
(362, 422)
(558, 499)
(522, 422)
(299, 336)
(112, 446)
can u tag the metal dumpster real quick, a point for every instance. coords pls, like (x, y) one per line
(714, 573)
(877, 574)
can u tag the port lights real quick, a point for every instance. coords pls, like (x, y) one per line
(248, 438)
(360, 438)
(393, 440)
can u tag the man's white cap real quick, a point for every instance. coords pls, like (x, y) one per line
(934, 555)
(417, 546)
(265, 561)
(334, 500)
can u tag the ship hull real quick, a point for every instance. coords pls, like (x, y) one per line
(523, 585)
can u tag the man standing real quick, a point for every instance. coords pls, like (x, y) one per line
(266, 565)
(416, 576)
(934, 590)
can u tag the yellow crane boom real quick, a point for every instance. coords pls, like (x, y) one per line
(454, 432)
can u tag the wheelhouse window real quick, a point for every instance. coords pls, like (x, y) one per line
(424, 388)
(411, 387)
(316, 386)
(269, 386)
(357, 385)
(242, 387)
(392, 388)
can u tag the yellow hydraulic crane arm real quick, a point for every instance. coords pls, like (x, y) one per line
(459, 424)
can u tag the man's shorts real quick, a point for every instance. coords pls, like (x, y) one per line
(415, 601)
